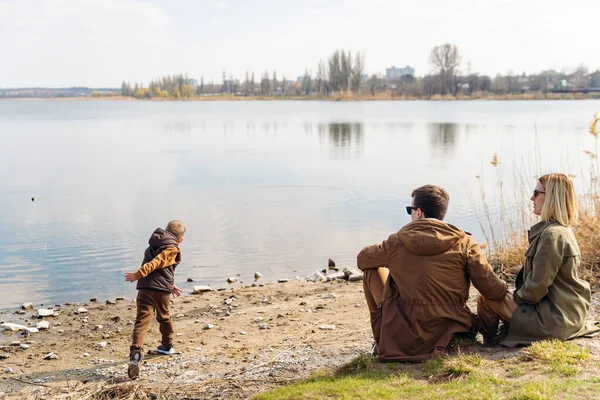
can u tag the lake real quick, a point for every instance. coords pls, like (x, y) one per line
(275, 187)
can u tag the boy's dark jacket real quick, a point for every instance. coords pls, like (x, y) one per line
(160, 279)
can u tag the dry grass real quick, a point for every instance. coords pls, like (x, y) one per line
(506, 235)
(96, 391)
(106, 390)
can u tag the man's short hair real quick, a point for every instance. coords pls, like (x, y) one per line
(432, 200)
(177, 228)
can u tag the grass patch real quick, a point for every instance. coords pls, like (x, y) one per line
(514, 372)
(463, 376)
(462, 365)
(361, 363)
(538, 390)
(562, 358)
(369, 385)
(455, 367)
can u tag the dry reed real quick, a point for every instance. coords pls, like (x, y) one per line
(506, 235)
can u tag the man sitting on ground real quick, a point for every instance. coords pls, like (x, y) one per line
(417, 282)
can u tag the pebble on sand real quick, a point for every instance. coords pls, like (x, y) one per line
(201, 289)
(43, 325)
(44, 313)
(327, 327)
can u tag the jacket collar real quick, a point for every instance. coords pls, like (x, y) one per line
(538, 228)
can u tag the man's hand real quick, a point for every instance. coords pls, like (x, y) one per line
(176, 292)
(130, 277)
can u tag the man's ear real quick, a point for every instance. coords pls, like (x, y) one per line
(179, 240)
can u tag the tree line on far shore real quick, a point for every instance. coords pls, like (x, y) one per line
(343, 74)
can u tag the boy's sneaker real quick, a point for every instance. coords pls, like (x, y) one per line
(168, 349)
(135, 357)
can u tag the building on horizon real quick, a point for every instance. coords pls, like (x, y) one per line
(394, 73)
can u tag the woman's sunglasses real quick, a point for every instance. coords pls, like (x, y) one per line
(536, 193)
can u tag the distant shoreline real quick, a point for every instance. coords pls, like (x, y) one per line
(335, 97)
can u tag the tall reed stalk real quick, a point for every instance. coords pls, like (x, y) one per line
(506, 232)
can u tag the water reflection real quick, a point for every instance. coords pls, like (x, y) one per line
(345, 138)
(178, 126)
(443, 136)
(343, 134)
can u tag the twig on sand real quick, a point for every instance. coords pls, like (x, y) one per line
(170, 384)
(29, 383)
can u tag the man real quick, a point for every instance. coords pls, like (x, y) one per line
(417, 282)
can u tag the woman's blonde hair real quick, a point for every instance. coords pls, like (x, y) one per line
(560, 204)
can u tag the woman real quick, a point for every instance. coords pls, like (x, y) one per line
(550, 301)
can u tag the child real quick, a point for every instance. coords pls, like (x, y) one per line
(156, 283)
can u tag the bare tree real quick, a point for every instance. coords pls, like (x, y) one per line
(321, 78)
(346, 70)
(265, 84)
(306, 83)
(246, 85)
(283, 85)
(580, 77)
(335, 78)
(357, 71)
(445, 60)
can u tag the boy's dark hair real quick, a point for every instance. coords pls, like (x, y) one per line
(177, 228)
(432, 200)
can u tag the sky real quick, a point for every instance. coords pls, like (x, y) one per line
(100, 43)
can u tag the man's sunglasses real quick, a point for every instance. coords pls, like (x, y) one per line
(536, 193)
(409, 209)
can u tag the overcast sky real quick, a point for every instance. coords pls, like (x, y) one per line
(99, 43)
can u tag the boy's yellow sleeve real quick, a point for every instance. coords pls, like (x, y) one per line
(164, 259)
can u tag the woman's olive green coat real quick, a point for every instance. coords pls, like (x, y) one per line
(553, 301)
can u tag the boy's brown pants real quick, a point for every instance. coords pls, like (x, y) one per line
(149, 301)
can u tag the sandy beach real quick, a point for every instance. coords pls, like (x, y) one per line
(233, 343)
(267, 335)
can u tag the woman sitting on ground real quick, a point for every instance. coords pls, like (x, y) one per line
(550, 300)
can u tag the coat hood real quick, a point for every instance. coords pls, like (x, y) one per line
(161, 238)
(429, 236)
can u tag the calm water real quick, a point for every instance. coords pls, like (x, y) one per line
(274, 187)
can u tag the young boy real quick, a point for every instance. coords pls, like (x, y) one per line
(156, 283)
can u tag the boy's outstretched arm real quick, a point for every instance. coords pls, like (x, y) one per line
(164, 259)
